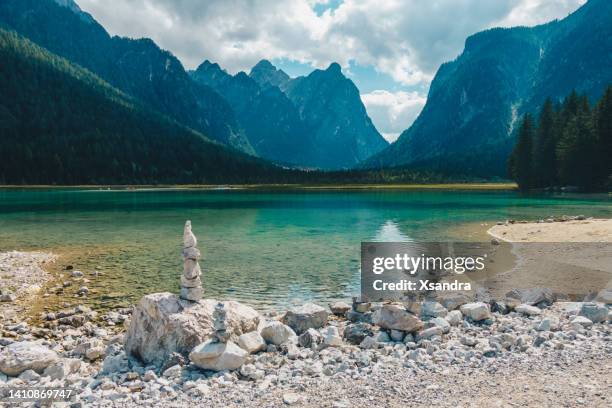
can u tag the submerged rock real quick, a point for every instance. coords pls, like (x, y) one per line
(162, 324)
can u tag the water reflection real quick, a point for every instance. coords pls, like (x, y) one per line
(390, 232)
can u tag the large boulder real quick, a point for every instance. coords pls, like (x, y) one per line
(476, 311)
(396, 317)
(430, 310)
(355, 333)
(604, 296)
(26, 355)
(307, 316)
(216, 356)
(163, 323)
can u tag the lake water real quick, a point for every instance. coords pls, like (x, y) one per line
(270, 249)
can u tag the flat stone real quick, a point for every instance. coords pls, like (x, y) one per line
(216, 356)
(528, 310)
(395, 317)
(582, 321)
(307, 316)
(20, 356)
(191, 269)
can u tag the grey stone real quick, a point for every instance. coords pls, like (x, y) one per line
(395, 317)
(476, 311)
(594, 312)
(277, 333)
(20, 356)
(307, 316)
(339, 308)
(533, 296)
(431, 309)
(454, 317)
(356, 332)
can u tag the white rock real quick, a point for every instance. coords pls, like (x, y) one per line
(216, 356)
(331, 337)
(20, 356)
(252, 342)
(163, 324)
(454, 317)
(430, 332)
(307, 316)
(369, 343)
(277, 333)
(476, 311)
(604, 296)
(528, 310)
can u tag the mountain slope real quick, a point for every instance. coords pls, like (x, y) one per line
(468, 123)
(137, 67)
(266, 74)
(332, 110)
(59, 123)
(268, 118)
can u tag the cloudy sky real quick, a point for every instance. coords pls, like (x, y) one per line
(389, 48)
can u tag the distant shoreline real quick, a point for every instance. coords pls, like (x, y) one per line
(445, 186)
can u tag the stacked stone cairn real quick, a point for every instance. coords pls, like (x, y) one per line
(219, 315)
(191, 285)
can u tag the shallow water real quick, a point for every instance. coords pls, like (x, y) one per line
(270, 249)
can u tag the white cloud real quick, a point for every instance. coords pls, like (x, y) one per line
(393, 112)
(405, 39)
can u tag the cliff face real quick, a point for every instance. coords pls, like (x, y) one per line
(467, 125)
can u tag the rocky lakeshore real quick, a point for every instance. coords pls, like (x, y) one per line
(525, 348)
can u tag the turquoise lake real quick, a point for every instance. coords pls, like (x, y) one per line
(270, 249)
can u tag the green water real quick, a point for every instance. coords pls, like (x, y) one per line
(270, 249)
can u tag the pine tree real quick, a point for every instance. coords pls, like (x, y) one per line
(545, 141)
(521, 168)
(603, 135)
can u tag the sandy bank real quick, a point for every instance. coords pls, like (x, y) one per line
(573, 258)
(590, 230)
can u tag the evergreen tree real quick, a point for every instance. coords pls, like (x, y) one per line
(544, 154)
(603, 135)
(521, 168)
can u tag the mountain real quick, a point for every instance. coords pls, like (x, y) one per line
(314, 121)
(468, 124)
(266, 74)
(269, 119)
(332, 110)
(137, 67)
(60, 123)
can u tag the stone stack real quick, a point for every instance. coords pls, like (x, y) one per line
(191, 285)
(219, 316)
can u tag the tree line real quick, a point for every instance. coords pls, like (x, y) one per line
(569, 144)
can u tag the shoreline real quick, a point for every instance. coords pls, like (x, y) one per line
(352, 355)
(493, 186)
